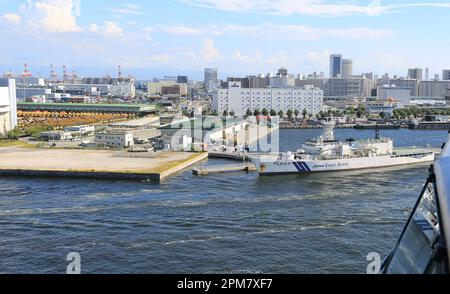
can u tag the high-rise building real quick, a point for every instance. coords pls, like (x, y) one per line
(282, 72)
(347, 68)
(335, 65)
(239, 100)
(411, 84)
(351, 87)
(446, 75)
(259, 81)
(211, 78)
(182, 79)
(427, 74)
(415, 73)
(8, 105)
(434, 89)
(245, 82)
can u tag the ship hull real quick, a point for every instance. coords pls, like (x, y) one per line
(272, 166)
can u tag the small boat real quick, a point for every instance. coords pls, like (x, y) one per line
(325, 154)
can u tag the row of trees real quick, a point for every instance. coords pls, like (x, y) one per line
(414, 112)
(28, 131)
(265, 112)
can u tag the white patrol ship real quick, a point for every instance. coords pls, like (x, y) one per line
(325, 154)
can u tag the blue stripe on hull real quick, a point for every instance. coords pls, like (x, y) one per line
(306, 166)
(298, 167)
(301, 166)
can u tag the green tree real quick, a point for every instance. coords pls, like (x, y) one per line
(321, 114)
(350, 111)
(15, 134)
(396, 114)
(280, 113)
(273, 112)
(232, 113)
(265, 112)
(304, 113)
(225, 112)
(296, 113)
(248, 113)
(382, 114)
(290, 113)
(256, 112)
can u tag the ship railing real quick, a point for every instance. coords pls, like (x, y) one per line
(421, 248)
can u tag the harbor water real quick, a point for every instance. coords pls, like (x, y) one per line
(224, 223)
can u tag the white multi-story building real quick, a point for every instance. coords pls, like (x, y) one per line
(239, 100)
(8, 105)
(115, 139)
(400, 95)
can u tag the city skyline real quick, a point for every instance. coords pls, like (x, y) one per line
(93, 37)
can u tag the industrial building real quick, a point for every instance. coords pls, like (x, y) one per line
(80, 129)
(167, 87)
(55, 136)
(400, 95)
(8, 105)
(114, 139)
(239, 100)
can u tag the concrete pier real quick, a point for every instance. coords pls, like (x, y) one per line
(93, 164)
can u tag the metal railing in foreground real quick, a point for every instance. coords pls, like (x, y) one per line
(421, 248)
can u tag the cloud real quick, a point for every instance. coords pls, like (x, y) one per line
(270, 31)
(127, 8)
(110, 29)
(300, 32)
(208, 52)
(51, 15)
(307, 7)
(12, 18)
(162, 58)
(179, 30)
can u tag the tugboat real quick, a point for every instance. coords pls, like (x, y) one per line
(325, 154)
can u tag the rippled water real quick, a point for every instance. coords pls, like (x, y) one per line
(228, 223)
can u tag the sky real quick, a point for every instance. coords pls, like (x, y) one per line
(239, 37)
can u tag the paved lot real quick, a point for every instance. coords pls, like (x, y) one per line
(85, 160)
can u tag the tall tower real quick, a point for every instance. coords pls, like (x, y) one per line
(347, 68)
(119, 72)
(65, 73)
(415, 73)
(26, 72)
(53, 74)
(335, 65)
